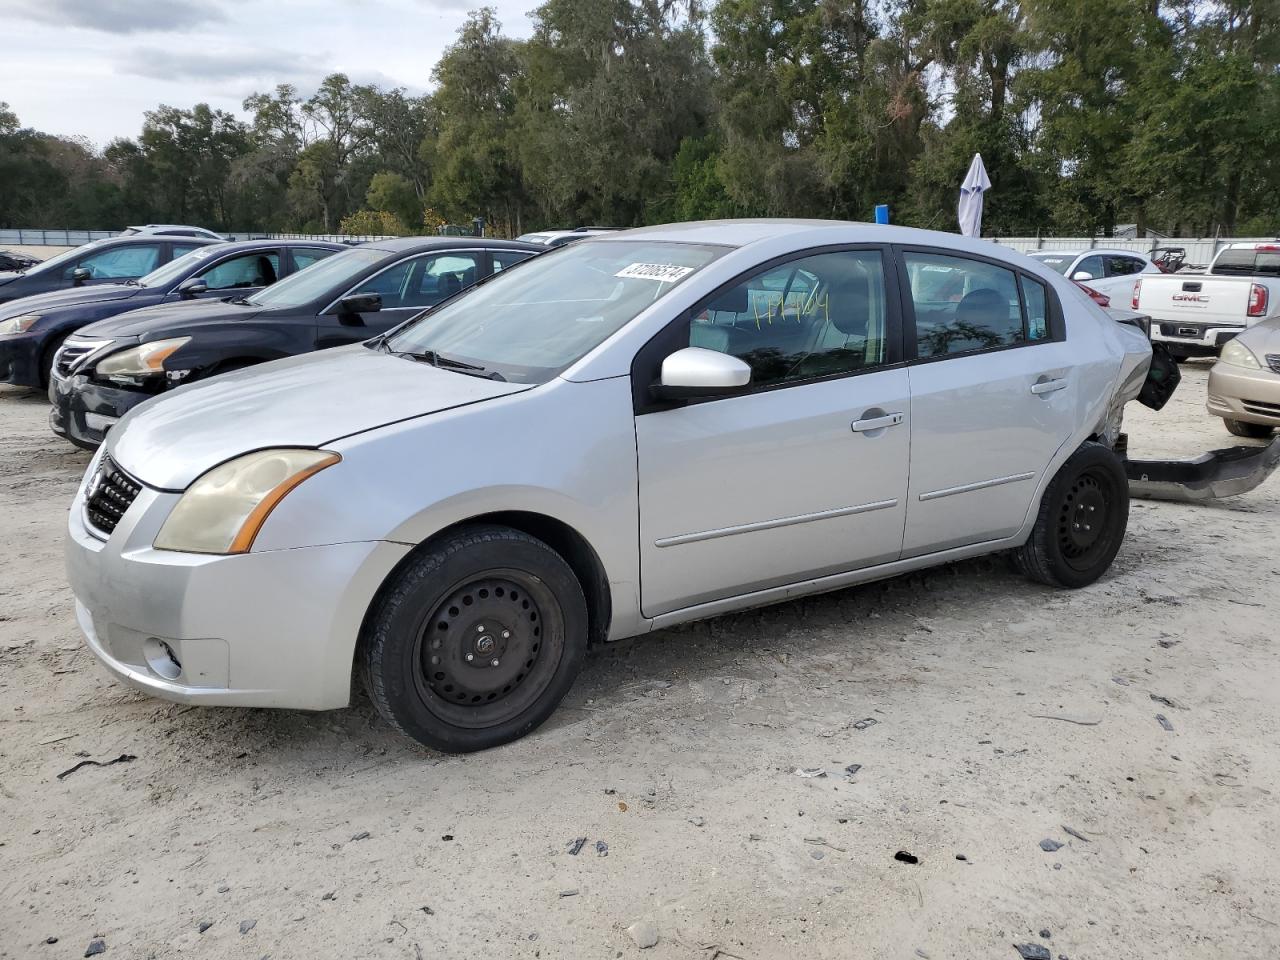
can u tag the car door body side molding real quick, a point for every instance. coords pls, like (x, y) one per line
(773, 524)
(980, 485)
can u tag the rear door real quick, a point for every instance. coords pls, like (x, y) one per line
(992, 397)
(405, 288)
(803, 475)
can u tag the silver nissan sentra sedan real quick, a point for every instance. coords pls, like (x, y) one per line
(652, 427)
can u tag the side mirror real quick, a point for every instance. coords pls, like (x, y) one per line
(350, 308)
(192, 287)
(697, 372)
(80, 274)
(1082, 275)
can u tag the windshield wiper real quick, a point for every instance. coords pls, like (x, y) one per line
(437, 359)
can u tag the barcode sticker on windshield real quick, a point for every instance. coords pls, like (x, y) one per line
(662, 272)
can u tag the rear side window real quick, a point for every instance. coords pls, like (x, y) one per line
(305, 256)
(1123, 266)
(182, 249)
(508, 258)
(963, 305)
(818, 316)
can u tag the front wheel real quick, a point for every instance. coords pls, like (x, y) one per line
(476, 641)
(1081, 522)
(1242, 428)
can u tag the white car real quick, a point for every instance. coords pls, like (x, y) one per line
(658, 426)
(559, 238)
(1113, 272)
(170, 230)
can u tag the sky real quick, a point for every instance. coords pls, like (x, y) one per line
(92, 67)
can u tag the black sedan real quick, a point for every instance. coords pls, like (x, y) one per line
(11, 261)
(107, 368)
(32, 329)
(102, 261)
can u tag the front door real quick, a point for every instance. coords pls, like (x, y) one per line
(406, 289)
(803, 475)
(992, 398)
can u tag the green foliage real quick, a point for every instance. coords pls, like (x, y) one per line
(372, 223)
(1163, 113)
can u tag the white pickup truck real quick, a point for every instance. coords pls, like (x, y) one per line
(1194, 314)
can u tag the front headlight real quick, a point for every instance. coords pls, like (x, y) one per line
(19, 324)
(224, 509)
(1238, 355)
(146, 360)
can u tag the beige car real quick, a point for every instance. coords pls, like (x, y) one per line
(1244, 385)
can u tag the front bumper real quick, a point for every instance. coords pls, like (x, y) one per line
(1218, 473)
(83, 411)
(1249, 395)
(20, 360)
(270, 629)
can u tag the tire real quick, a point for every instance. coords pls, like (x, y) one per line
(495, 594)
(1242, 428)
(1064, 550)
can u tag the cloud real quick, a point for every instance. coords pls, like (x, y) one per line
(116, 16)
(217, 65)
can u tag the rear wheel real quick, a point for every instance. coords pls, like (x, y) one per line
(1242, 428)
(476, 641)
(1081, 522)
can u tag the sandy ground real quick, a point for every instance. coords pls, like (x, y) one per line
(679, 752)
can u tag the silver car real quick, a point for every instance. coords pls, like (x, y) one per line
(635, 431)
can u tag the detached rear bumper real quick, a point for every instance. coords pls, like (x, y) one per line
(1218, 473)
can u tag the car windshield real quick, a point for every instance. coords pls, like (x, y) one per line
(528, 325)
(171, 271)
(319, 279)
(53, 263)
(1056, 261)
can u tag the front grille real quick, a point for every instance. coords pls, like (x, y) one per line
(1260, 408)
(72, 352)
(111, 492)
(1273, 361)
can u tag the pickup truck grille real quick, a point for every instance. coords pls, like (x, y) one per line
(111, 493)
(1273, 361)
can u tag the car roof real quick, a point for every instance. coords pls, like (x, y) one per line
(742, 233)
(1106, 251)
(154, 238)
(418, 244)
(273, 244)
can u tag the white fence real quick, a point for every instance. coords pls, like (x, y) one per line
(74, 238)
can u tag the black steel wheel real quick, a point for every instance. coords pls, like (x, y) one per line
(476, 641)
(1081, 521)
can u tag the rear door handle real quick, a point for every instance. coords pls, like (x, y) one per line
(877, 423)
(1041, 387)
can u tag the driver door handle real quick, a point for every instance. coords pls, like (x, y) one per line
(1041, 387)
(877, 423)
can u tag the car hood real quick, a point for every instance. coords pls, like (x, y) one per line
(1263, 339)
(168, 318)
(8, 276)
(304, 401)
(55, 299)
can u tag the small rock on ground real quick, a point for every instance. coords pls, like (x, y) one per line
(644, 933)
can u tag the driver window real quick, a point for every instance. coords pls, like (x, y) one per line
(259, 269)
(813, 317)
(424, 281)
(122, 263)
